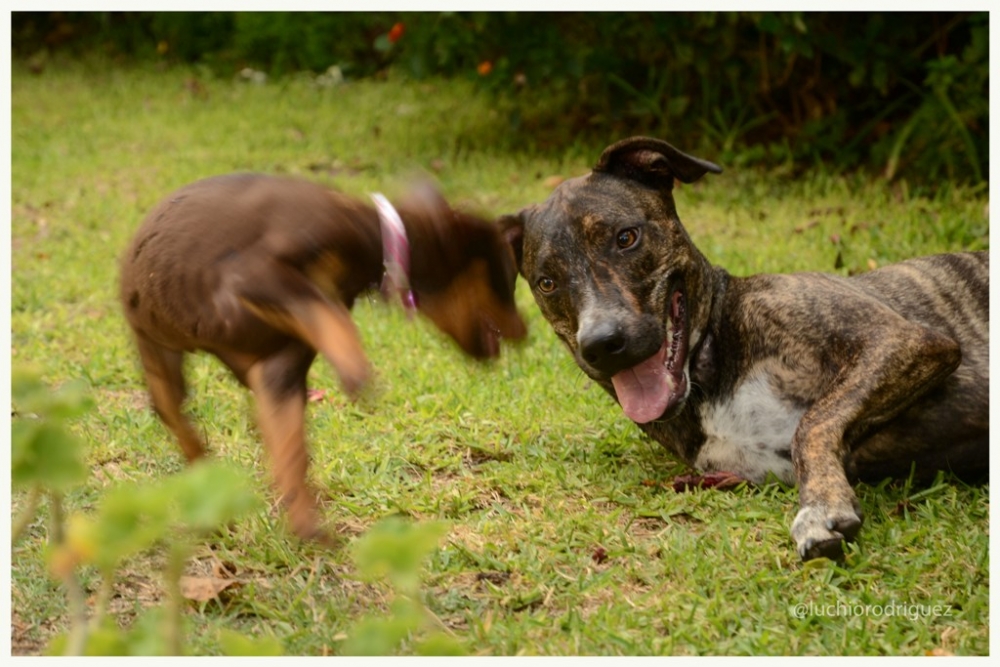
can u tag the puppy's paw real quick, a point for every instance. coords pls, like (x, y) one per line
(819, 530)
(354, 378)
(307, 528)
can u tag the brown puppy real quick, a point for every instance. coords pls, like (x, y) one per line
(262, 272)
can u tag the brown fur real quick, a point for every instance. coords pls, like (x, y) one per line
(262, 272)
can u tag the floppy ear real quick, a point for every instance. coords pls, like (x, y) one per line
(653, 163)
(423, 197)
(512, 228)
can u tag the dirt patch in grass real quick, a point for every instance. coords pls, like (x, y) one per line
(30, 637)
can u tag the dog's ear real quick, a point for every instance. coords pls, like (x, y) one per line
(653, 162)
(512, 228)
(424, 198)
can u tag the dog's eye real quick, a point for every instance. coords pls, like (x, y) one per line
(546, 285)
(627, 238)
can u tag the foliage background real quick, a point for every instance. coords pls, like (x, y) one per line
(901, 92)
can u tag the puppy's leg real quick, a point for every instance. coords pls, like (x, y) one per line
(290, 303)
(279, 385)
(328, 327)
(165, 380)
(896, 366)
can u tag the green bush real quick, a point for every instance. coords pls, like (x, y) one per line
(889, 92)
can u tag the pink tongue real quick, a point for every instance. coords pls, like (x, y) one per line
(644, 390)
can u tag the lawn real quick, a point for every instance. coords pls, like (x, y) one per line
(563, 534)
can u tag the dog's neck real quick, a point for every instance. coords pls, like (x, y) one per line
(441, 243)
(395, 254)
(705, 355)
(717, 285)
(437, 247)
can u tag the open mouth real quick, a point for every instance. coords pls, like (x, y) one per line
(648, 390)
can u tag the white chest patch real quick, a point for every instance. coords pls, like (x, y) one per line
(751, 433)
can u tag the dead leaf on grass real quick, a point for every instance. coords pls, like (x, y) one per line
(495, 578)
(475, 456)
(203, 589)
(809, 225)
(223, 569)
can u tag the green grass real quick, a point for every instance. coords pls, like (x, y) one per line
(563, 537)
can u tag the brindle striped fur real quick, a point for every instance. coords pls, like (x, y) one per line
(886, 372)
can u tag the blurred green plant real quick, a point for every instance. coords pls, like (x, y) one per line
(48, 459)
(394, 550)
(45, 455)
(132, 518)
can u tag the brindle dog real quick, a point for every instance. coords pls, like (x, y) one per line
(262, 272)
(813, 378)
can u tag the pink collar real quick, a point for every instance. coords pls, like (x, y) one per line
(395, 254)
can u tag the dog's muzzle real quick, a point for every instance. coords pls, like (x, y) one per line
(651, 387)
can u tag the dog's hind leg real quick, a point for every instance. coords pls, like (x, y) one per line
(165, 379)
(279, 385)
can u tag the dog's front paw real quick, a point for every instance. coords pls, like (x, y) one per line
(819, 530)
(354, 378)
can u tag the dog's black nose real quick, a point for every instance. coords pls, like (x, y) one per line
(603, 346)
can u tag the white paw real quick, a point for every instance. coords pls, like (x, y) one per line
(818, 530)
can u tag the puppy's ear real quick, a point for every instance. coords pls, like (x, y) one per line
(652, 162)
(424, 198)
(512, 228)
